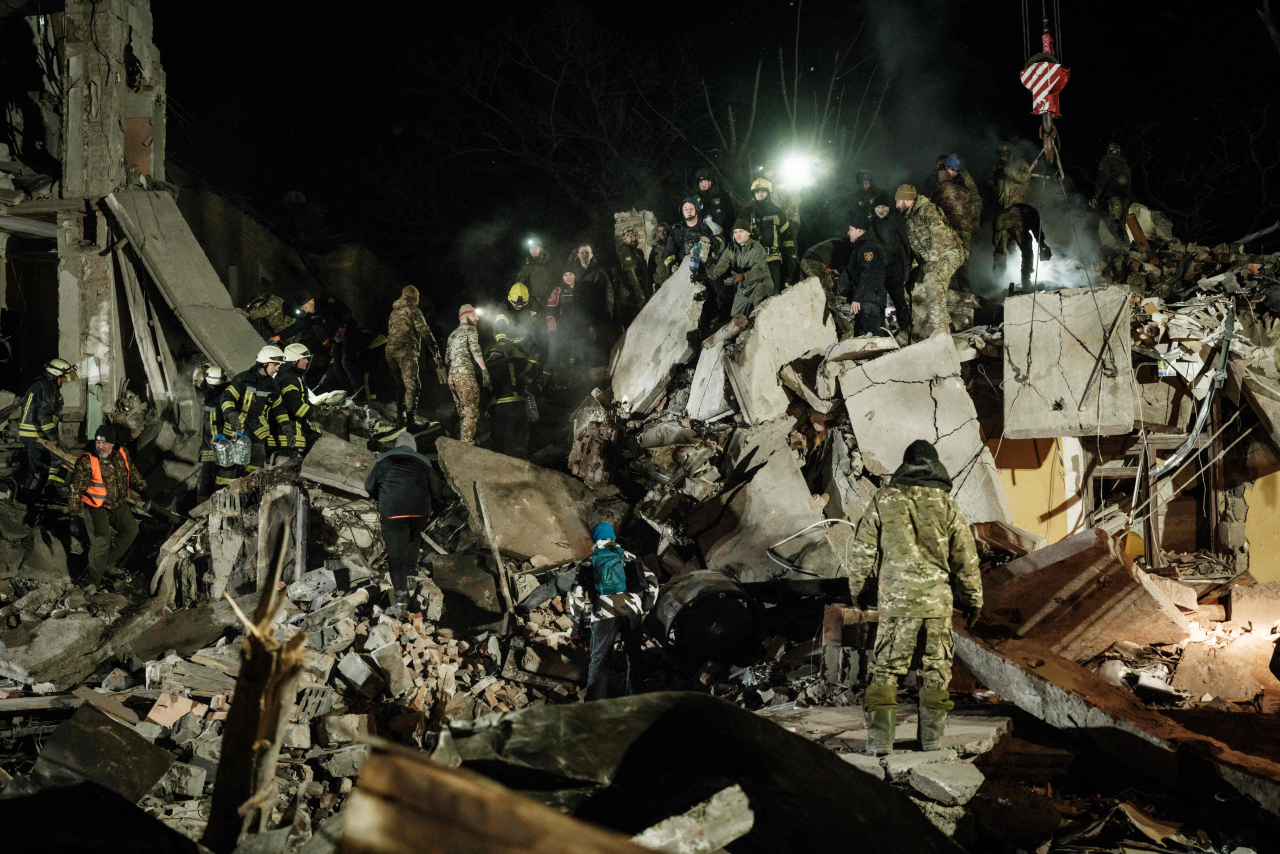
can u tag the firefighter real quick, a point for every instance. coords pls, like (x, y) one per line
(714, 203)
(211, 379)
(635, 286)
(692, 228)
(100, 484)
(511, 371)
(862, 282)
(537, 273)
(41, 411)
(407, 329)
(788, 199)
(939, 253)
(744, 261)
(770, 226)
(520, 322)
(462, 348)
(247, 400)
(1115, 181)
(295, 431)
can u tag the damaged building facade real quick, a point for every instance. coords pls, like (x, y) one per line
(1113, 446)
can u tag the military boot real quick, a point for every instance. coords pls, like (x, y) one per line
(935, 703)
(881, 705)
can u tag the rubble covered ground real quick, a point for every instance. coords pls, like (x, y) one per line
(245, 687)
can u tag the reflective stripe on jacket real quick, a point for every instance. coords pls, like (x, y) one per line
(96, 493)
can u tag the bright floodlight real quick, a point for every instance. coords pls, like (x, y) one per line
(797, 170)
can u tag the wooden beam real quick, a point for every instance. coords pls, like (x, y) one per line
(504, 580)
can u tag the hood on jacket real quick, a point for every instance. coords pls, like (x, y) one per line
(401, 302)
(921, 467)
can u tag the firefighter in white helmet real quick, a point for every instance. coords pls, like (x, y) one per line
(210, 380)
(41, 411)
(291, 412)
(248, 398)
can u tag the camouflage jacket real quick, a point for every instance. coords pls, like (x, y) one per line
(921, 543)
(954, 200)
(930, 234)
(118, 477)
(272, 311)
(463, 347)
(406, 328)
(1012, 182)
(634, 266)
(747, 260)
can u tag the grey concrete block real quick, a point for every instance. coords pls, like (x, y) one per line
(899, 765)
(949, 784)
(345, 762)
(867, 764)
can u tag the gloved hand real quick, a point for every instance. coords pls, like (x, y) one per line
(1093, 204)
(972, 615)
(236, 422)
(484, 378)
(242, 312)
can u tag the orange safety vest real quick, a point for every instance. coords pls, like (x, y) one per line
(96, 493)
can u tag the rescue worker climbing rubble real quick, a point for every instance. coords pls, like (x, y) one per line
(521, 323)
(1017, 221)
(246, 402)
(211, 379)
(462, 349)
(939, 253)
(407, 329)
(511, 372)
(295, 430)
(693, 228)
(891, 233)
(100, 484)
(268, 308)
(402, 482)
(862, 282)
(744, 263)
(41, 412)
(915, 534)
(1115, 183)
(958, 198)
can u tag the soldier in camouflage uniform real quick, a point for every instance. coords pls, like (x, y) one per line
(939, 253)
(462, 349)
(634, 286)
(962, 206)
(915, 534)
(270, 308)
(406, 329)
(1115, 181)
(1017, 220)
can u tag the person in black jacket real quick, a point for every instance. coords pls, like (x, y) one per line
(692, 228)
(863, 280)
(401, 482)
(713, 202)
(891, 232)
(512, 372)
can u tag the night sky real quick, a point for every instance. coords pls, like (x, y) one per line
(324, 98)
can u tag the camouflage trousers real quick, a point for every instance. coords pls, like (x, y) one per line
(1118, 208)
(960, 281)
(838, 308)
(930, 316)
(404, 369)
(466, 397)
(897, 639)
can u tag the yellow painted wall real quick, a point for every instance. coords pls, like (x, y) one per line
(1262, 527)
(1031, 472)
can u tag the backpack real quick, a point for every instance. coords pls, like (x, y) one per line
(609, 570)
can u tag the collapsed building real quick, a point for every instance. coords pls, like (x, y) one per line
(1113, 446)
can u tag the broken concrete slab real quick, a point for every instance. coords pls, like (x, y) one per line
(949, 784)
(1067, 696)
(706, 395)
(344, 762)
(754, 444)
(91, 746)
(845, 728)
(182, 271)
(1081, 595)
(899, 765)
(336, 730)
(338, 463)
(185, 781)
(533, 511)
(1239, 671)
(54, 650)
(867, 764)
(391, 662)
(843, 354)
(360, 675)
(656, 342)
(706, 828)
(1256, 605)
(785, 327)
(1068, 368)
(917, 393)
(736, 528)
(1006, 538)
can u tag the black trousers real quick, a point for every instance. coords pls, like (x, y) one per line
(403, 539)
(39, 461)
(901, 297)
(509, 429)
(870, 320)
(603, 634)
(345, 352)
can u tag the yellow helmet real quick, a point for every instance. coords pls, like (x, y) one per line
(518, 296)
(762, 184)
